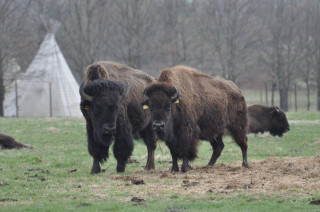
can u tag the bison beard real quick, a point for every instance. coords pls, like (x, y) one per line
(188, 106)
(110, 107)
(267, 119)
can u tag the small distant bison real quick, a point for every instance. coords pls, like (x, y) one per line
(188, 106)
(7, 142)
(267, 119)
(111, 95)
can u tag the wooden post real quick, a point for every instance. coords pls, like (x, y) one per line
(295, 98)
(50, 99)
(17, 103)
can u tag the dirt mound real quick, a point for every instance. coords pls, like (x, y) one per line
(270, 175)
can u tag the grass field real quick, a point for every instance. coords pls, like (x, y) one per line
(284, 173)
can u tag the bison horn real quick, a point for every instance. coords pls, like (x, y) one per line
(175, 95)
(126, 89)
(83, 94)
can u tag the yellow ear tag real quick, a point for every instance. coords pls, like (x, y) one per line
(177, 102)
(86, 107)
(145, 107)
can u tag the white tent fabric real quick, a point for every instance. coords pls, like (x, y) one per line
(48, 69)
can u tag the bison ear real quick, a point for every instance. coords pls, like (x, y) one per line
(175, 97)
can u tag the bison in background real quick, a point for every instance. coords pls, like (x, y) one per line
(111, 95)
(267, 119)
(7, 142)
(187, 105)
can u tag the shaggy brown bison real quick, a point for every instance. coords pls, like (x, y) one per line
(267, 119)
(7, 142)
(111, 95)
(187, 105)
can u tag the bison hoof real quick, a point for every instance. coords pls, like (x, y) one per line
(120, 168)
(175, 169)
(245, 164)
(95, 171)
(184, 169)
(148, 167)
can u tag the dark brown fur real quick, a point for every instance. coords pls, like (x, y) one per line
(267, 119)
(106, 82)
(208, 108)
(7, 142)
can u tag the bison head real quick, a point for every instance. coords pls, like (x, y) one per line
(160, 99)
(279, 123)
(105, 99)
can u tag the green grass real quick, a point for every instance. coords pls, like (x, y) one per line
(43, 179)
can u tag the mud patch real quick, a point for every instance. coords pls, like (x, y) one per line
(269, 176)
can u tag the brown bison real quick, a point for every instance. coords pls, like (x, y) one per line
(267, 119)
(7, 142)
(187, 106)
(111, 95)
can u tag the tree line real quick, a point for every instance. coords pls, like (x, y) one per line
(250, 42)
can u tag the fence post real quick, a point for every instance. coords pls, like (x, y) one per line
(50, 99)
(17, 103)
(295, 98)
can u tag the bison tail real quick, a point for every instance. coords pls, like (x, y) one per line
(96, 71)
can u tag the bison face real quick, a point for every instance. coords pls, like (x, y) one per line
(160, 100)
(279, 122)
(106, 98)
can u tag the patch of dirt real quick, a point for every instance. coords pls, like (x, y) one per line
(137, 182)
(272, 175)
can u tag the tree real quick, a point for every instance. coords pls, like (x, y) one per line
(280, 51)
(315, 34)
(14, 37)
(234, 35)
(84, 33)
(133, 25)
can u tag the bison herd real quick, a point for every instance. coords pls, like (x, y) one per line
(181, 107)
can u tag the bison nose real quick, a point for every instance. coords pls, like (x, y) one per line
(109, 128)
(288, 128)
(158, 125)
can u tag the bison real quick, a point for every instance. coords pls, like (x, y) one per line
(111, 95)
(187, 106)
(7, 142)
(267, 119)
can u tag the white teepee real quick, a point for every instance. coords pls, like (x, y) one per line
(48, 87)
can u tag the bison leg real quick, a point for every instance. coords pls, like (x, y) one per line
(123, 144)
(175, 167)
(95, 167)
(149, 139)
(241, 139)
(185, 165)
(217, 147)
